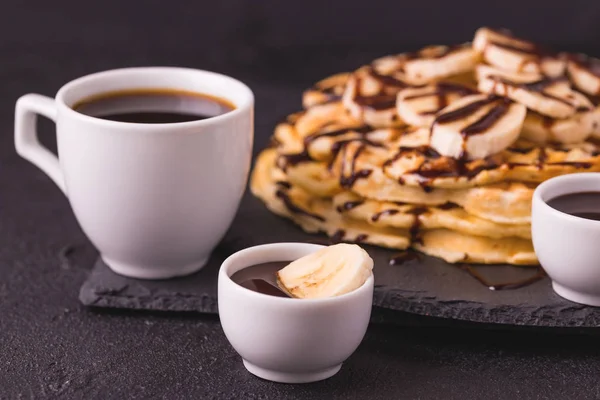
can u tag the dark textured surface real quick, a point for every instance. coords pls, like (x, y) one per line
(53, 347)
(426, 286)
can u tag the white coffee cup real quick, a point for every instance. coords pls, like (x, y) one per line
(155, 199)
(567, 246)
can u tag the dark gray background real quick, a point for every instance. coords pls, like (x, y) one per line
(52, 347)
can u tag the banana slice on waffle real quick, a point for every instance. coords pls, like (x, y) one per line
(501, 49)
(548, 96)
(574, 129)
(584, 72)
(327, 90)
(372, 100)
(428, 64)
(419, 106)
(477, 126)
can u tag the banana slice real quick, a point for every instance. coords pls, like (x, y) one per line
(435, 62)
(501, 49)
(331, 271)
(369, 100)
(584, 72)
(543, 129)
(418, 106)
(596, 122)
(428, 64)
(477, 126)
(326, 90)
(549, 96)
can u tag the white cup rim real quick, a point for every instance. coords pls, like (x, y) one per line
(225, 275)
(540, 191)
(241, 107)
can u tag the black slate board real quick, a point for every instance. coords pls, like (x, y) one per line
(427, 286)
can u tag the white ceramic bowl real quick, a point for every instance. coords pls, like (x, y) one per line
(284, 339)
(568, 247)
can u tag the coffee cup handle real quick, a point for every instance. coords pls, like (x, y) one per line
(26, 140)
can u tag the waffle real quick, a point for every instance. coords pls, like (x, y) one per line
(439, 150)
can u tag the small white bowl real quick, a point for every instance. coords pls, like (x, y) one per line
(568, 247)
(290, 340)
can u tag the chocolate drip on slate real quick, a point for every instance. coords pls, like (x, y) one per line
(375, 217)
(404, 257)
(294, 209)
(540, 274)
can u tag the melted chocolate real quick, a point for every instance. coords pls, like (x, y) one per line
(293, 208)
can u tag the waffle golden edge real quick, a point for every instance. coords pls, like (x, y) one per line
(437, 150)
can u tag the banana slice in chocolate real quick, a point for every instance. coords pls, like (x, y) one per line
(584, 72)
(501, 49)
(548, 96)
(477, 126)
(418, 106)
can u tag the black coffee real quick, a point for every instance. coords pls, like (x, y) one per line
(153, 106)
(580, 204)
(253, 278)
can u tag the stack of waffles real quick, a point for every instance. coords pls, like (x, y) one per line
(438, 150)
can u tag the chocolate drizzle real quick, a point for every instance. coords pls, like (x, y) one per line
(338, 236)
(539, 87)
(488, 120)
(589, 63)
(442, 91)
(540, 274)
(465, 111)
(349, 180)
(349, 205)
(375, 217)
(293, 208)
